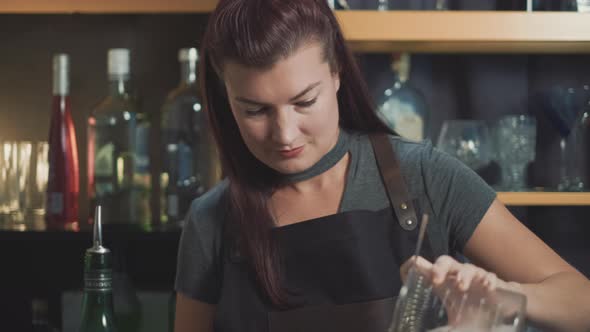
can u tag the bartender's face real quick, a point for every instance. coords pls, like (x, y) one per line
(288, 113)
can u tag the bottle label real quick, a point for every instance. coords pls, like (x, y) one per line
(56, 203)
(98, 280)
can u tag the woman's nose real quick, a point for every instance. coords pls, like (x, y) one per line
(284, 129)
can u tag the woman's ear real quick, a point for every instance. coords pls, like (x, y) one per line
(336, 79)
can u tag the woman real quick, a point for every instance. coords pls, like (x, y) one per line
(314, 221)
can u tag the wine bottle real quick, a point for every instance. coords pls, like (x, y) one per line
(118, 153)
(63, 180)
(190, 163)
(97, 301)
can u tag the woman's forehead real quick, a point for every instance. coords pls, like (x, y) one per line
(303, 67)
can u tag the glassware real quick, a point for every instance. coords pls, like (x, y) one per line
(118, 154)
(422, 307)
(515, 140)
(63, 182)
(383, 5)
(584, 6)
(9, 182)
(404, 107)
(467, 140)
(36, 194)
(564, 108)
(190, 162)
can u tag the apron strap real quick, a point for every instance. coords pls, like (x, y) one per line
(395, 186)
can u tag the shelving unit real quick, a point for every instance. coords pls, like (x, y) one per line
(446, 32)
(412, 31)
(373, 31)
(544, 198)
(105, 6)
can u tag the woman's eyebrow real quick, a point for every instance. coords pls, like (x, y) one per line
(299, 95)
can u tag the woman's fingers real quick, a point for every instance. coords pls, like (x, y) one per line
(443, 266)
(422, 265)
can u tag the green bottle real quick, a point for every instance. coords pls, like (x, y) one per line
(97, 303)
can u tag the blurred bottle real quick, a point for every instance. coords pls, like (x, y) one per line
(127, 306)
(404, 107)
(97, 301)
(190, 163)
(40, 313)
(118, 154)
(63, 181)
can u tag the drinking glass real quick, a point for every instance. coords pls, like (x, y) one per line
(515, 140)
(9, 193)
(36, 193)
(466, 140)
(422, 307)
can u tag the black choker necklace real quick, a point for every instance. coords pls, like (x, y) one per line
(328, 160)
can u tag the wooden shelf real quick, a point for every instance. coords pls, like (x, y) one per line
(391, 31)
(467, 31)
(544, 198)
(105, 6)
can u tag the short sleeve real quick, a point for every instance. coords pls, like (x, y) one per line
(199, 263)
(459, 197)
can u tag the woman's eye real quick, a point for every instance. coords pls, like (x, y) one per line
(306, 103)
(256, 112)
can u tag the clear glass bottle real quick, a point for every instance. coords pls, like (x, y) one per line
(404, 107)
(118, 152)
(63, 181)
(97, 301)
(190, 164)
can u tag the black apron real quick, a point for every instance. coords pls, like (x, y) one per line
(343, 269)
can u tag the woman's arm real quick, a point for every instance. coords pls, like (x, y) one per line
(193, 315)
(558, 296)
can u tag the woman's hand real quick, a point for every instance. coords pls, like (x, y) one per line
(447, 270)
(462, 288)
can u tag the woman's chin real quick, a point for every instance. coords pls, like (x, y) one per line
(291, 167)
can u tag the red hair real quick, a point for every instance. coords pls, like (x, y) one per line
(258, 33)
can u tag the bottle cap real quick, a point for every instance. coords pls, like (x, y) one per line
(118, 61)
(188, 54)
(61, 69)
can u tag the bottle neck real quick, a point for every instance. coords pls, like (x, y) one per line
(61, 84)
(188, 72)
(119, 85)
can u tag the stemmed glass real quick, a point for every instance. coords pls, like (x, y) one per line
(565, 109)
(466, 140)
(515, 140)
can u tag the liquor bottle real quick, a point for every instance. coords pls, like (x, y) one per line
(40, 321)
(118, 154)
(63, 180)
(404, 107)
(190, 164)
(97, 301)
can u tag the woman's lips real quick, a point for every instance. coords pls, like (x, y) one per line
(291, 153)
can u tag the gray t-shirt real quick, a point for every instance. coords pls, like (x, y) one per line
(453, 195)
